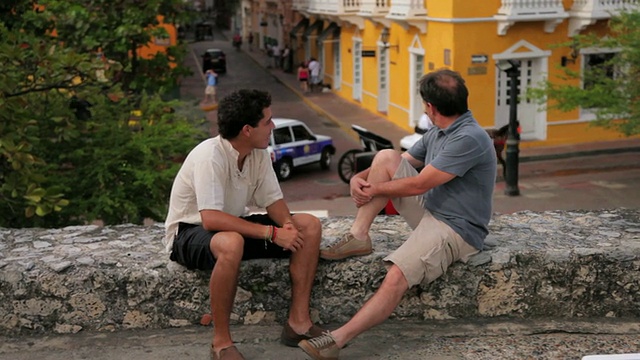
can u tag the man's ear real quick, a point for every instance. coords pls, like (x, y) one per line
(246, 130)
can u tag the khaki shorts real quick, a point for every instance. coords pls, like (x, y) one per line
(432, 246)
(210, 90)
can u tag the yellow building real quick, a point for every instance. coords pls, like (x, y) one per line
(373, 52)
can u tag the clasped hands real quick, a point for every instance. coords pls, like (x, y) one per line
(361, 191)
(289, 238)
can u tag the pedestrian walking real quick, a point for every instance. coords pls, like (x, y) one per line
(303, 77)
(286, 59)
(277, 56)
(210, 91)
(314, 72)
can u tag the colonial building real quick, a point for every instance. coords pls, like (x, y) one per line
(373, 52)
(268, 20)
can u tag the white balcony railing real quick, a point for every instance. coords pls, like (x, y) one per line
(374, 8)
(300, 5)
(587, 12)
(334, 7)
(550, 11)
(407, 9)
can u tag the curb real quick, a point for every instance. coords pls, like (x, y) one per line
(533, 158)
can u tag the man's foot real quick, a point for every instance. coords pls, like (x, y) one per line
(346, 247)
(230, 353)
(323, 347)
(290, 338)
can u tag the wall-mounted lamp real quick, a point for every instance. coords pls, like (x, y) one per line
(572, 56)
(281, 17)
(384, 37)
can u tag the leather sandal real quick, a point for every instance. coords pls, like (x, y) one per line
(229, 353)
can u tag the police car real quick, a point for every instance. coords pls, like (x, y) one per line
(292, 144)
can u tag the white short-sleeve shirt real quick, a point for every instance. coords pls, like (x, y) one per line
(209, 179)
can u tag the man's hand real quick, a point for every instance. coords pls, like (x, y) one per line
(358, 187)
(289, 238)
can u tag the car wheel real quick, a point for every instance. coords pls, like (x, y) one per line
(347, 165)
(284, 169)
(325, 159)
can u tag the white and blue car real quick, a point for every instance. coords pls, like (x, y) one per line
(292, 144)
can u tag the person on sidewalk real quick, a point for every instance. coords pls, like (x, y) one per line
(207, 229)
(448, 205)
(303, 77)
(286, 59)
(210, 93)
(314, 71)
(277, 56)
(250, 41)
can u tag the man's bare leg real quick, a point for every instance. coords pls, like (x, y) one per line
(377, 309)
(302, 269)
(383, 167)
(227, 248)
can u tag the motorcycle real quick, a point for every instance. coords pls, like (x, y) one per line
(237, 43)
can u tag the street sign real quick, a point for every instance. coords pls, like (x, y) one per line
(368, 53)
(479, 59)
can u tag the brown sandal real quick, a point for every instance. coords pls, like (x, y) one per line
(229, 353)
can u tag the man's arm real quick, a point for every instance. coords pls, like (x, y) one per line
(216, 220)
(426, 180)
(279, 212)
(360, 189)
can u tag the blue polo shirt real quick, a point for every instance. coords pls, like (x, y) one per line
(465, 150)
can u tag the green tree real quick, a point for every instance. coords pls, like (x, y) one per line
(609, 84)
(68, 150)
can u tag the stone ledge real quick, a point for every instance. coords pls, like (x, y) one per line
(549, 264)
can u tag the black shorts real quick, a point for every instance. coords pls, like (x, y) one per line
(191, 245)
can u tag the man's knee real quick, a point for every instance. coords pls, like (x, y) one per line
(387, 158)
(227, 246)
(395, 280)
(310, 226)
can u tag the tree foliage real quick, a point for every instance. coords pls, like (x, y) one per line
(612, 88)
(69, 151)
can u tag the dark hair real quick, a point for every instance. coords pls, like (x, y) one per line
(445, 89)
(240, 108)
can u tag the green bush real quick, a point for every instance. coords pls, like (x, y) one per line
(60, 165)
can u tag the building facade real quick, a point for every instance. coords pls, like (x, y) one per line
(268, 20)
(374, 51)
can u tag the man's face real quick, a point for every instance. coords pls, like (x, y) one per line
(262, 132)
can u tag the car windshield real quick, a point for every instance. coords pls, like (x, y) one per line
(215, 53)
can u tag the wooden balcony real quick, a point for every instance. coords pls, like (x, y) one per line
(409, 13)
(338, 11)
(376, 10)
(586, 12)
(301, 6)
(334, 7)
(550, 11)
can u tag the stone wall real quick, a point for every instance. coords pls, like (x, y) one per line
(549, 264)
